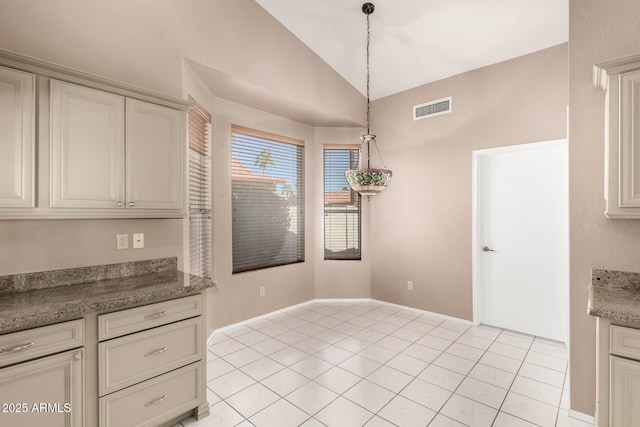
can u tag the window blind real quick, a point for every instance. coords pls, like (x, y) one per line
(267, 185)
(342, 205)
(199, 191)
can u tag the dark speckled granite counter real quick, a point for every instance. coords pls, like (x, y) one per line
(34, 299)
(615, 295)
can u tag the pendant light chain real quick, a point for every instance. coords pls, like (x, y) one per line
(368, 98)
(368, 101)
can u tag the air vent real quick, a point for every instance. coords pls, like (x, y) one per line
(433, 108)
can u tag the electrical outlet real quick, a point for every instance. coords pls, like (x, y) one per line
(122, 241)
(263, 290)
(138, 240)
(410, 285)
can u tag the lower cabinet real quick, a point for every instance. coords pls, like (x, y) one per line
(44, 392)
(618, 379)
(150, 370)
(625, 392)
(142, 367)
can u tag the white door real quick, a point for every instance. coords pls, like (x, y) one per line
(521, 244)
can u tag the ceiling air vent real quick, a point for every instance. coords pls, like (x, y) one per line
(433, 108)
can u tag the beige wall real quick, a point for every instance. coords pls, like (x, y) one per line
(38, 245)
(145, 45)
(598, 31)
(237, 297)
(421, 225)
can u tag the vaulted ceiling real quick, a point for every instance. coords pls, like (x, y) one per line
(414, 42)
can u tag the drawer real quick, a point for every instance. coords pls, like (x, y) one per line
(128, 360)
(124, 322)
(19, 346)
(625, 342)
(155, 401)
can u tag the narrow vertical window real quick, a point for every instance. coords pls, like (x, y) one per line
(199, 191)
(267, 186)
(342, 205)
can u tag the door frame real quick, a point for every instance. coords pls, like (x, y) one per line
(475, 248)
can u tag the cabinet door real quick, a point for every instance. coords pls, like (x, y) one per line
(87, 147)
(45, 392)
(624, 393)
(154, 156)
(629, 186)
(17, 130)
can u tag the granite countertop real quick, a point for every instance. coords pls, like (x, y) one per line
(34, 299)
(615, 295)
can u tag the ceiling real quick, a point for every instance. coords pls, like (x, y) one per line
(414, 42)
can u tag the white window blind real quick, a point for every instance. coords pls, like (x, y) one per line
(342, 205)
(267, 180)
(199, 191)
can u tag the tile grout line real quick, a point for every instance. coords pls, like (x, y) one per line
(302, 313)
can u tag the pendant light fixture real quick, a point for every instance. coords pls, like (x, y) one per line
(367, 181)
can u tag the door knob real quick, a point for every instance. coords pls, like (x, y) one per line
(487, 249)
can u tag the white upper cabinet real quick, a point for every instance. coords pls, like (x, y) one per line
(113, 152)
(77, 145)
(17, 138)
(87, 147)
(154, 156)
(620, 79)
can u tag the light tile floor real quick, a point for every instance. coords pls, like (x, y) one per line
(349, 364)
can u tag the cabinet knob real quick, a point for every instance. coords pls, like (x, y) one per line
(77, 356)
(120, 204)
(132, 204)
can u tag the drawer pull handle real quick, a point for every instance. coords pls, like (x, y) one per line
(155, 352)
(155, 316)
(17, 348)
(155, 402)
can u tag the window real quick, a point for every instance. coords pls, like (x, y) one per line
(267, 186)
(342, 205)
(199, 191)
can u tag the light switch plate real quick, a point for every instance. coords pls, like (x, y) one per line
(138, 240)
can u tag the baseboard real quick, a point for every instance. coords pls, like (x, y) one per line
(351, 300)
(253, 319)
(424, 312)
(338, 300)
(582, 417)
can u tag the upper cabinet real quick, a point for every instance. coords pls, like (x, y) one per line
(620, 79)
(75, 145)
(17, 138)
(154, 156)
(106, 159)
(87, 147)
